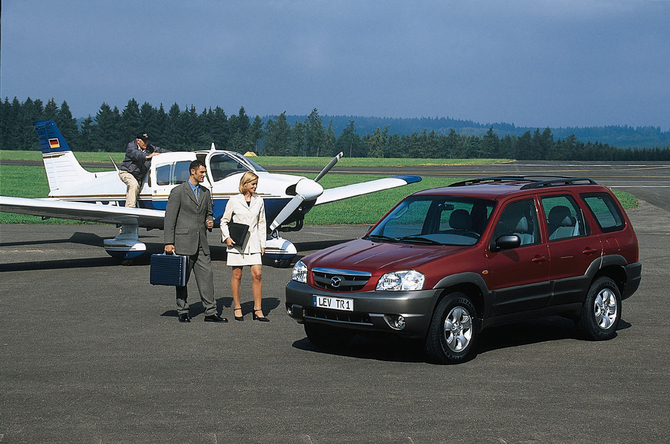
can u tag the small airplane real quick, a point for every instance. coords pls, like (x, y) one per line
(100, 196)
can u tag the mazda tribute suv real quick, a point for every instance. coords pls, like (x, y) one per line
(446, 263)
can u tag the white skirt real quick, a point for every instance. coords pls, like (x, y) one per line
(236, 259)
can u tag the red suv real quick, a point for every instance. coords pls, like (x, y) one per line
(448, 262)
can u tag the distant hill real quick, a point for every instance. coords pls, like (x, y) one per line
(619, 136)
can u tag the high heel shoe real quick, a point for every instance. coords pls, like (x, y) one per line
(260, 318)
(238, 318)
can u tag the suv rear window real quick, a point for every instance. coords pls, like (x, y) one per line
(564, 217)
(605, 211)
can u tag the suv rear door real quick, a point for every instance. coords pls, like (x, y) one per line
(572, 248)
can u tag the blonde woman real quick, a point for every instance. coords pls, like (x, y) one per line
(246, 208)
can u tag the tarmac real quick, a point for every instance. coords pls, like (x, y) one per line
(92, 353)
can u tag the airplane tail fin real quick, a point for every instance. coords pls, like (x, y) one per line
(62, 168)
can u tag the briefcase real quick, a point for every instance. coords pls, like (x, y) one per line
(238, 232)
(168, 269)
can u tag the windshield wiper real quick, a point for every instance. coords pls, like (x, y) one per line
(381, 237)
(419, 239)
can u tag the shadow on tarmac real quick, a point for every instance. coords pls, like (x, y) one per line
(60, 264)
(386, 347)
(268, 305)
(76, 238)
(381, 348)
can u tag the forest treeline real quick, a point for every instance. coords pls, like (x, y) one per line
(188, 130)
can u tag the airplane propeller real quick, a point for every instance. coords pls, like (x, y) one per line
(305, 189)
(328, 167)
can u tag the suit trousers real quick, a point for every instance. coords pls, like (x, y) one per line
(201, 265)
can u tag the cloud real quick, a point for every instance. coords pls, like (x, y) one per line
(531, 63)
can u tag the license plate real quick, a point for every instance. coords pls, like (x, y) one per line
(334, 303)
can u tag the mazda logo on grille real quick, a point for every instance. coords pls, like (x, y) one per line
(335, 281)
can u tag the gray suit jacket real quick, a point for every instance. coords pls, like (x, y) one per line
(185, 219)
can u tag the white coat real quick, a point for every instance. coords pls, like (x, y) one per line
(252, 215)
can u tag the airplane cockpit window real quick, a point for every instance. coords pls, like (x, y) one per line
(163, 175)
(256, 166)
(181, 172)
(224, 165)
(173, 174)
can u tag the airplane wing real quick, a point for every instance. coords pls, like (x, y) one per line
(358, 189)
(108, 214)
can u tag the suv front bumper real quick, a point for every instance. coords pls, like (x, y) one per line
(373, 310)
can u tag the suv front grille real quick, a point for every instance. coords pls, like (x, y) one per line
(339, 280)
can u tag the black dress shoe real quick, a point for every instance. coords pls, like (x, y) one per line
(238, 318)
(260, 318)
(184, 318)
(215, 318)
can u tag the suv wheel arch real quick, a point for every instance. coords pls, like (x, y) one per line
(453, 331)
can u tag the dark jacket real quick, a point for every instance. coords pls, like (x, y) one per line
(136, 162)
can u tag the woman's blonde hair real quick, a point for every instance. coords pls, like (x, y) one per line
(246, 178)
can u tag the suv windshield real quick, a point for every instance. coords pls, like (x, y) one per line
(443, 220)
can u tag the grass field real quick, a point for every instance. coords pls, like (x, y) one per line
(31, 181)
(270, 161)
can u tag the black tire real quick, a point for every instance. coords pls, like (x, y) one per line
(601, 311)
(453, 330)
(324, 336)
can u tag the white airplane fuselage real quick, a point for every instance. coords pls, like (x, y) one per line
(170, 169)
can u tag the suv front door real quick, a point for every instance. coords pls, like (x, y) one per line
(519, 277)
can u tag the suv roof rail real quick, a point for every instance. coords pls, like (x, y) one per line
(487, 179)
(559, 181)
(535, 181)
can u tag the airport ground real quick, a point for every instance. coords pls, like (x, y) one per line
(90, 352)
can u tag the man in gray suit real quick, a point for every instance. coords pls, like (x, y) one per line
(188, 216)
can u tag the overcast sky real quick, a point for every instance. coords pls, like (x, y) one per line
(530, 63)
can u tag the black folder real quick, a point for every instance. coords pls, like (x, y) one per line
(238, 232)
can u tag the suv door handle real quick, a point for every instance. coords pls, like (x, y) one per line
(589, 250)
(538, 259)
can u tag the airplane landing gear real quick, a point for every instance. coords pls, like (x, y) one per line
(279, 252)
(125, 246)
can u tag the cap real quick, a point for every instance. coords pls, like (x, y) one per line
(143, 136)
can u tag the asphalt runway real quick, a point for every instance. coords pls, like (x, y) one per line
(649, 181)
(92, 353)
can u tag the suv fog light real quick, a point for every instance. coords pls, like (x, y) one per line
(396, 322)
(289, 309)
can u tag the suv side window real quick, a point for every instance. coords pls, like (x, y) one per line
(605, 211)
(519, 218)
(564, 218)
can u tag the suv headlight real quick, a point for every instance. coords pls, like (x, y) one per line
(401, 280)
(299, 272)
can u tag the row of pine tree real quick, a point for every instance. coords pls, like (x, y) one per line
(188, 130)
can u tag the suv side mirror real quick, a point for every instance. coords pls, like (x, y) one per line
(506, 242)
